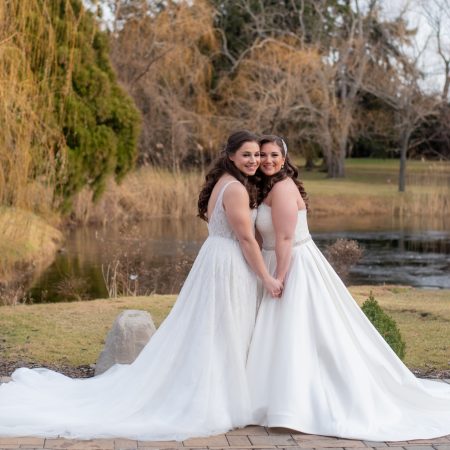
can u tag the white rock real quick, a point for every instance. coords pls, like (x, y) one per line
(129, 334)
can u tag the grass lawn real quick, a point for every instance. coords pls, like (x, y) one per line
(382, 171)
(423, 317)
(371, 187)
(74, 333)
(365, 176)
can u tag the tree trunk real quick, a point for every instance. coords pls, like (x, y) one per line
(325, 162)
(403, 154)
(309, 153)
(336, 165)
(447, 82)
(309, 164)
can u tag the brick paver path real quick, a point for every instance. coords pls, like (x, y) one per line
(252, 437)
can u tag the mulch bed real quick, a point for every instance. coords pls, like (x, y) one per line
(86, 371)
(432, 373)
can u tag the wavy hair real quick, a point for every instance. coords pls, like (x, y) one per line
(288, 170)
(223, 164)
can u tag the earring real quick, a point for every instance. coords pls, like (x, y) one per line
(282, 166)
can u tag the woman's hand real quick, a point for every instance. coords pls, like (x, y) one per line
(273, 286)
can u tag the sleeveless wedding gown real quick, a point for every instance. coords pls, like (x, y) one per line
(189, 380)
(317, 365)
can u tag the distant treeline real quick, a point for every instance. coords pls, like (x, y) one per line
(334, 80)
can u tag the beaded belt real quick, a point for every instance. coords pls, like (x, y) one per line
(295, 244)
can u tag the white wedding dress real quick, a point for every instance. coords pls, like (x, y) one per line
(316, 364)
(189, 380)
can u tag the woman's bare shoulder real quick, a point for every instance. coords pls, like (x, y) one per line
(284, 187)
(234, 190)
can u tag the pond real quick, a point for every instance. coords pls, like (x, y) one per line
(155, 256)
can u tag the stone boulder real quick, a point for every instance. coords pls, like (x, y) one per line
(129, 334)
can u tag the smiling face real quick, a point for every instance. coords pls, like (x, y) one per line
(247, 158)
(272, 159)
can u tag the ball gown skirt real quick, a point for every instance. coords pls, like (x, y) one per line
(316, 364)
(189, 380)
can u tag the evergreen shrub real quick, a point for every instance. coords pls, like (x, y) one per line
(385, 325)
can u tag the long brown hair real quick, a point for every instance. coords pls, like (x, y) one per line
(288, 170)
(223, 164)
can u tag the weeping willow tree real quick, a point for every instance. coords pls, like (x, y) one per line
(163, 59)
(287, 96)
(65, 122)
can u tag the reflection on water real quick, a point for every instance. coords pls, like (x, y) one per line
(159, 252)
(420, 259)
(156, 256)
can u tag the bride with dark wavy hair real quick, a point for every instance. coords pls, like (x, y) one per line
(190, 379)
(316, 364)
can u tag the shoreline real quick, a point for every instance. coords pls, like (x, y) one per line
(368, 191)
(28, 247)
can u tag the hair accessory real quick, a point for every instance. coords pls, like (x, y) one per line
(284, 146)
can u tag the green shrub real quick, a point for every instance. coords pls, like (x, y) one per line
(385, 325)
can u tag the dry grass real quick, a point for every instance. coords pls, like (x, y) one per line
(148, 192)
(423, 317)
(73, 333)
(69, 333)
(429, 193)
(27, 241)
(369, 188)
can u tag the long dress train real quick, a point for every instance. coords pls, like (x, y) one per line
(316, 364)
(189, 380)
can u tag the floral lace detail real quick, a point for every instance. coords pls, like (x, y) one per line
(218, 224)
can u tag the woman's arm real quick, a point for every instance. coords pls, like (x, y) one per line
(236, 200)
(284, 219)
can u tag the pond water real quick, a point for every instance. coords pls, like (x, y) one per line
(155, 256)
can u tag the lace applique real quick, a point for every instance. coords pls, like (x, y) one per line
(218, 224)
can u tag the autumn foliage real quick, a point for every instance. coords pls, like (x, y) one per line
(322, 74)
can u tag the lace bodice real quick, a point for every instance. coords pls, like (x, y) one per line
(218, 224)
(265, 227)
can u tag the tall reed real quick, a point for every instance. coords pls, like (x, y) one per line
(148, 192)
(428, 194)
(151, 192)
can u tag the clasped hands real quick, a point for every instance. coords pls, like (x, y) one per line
(274, 286)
